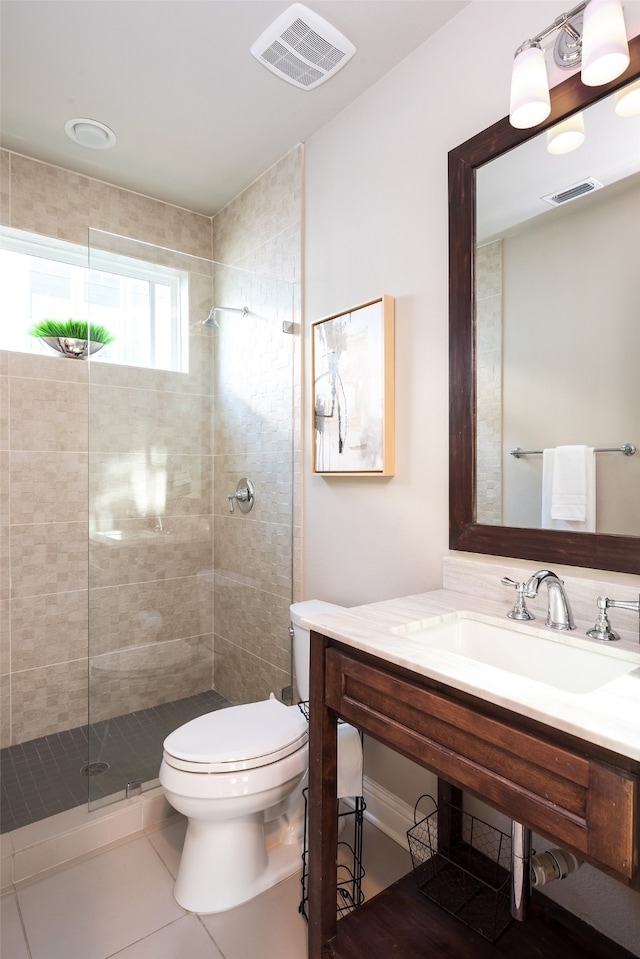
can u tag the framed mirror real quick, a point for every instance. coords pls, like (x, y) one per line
(472, 527)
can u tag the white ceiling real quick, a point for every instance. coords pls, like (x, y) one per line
(511, 188)
(197, 117)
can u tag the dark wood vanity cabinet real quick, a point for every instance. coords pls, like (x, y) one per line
(580, 796)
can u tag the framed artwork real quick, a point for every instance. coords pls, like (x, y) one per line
(353, 391)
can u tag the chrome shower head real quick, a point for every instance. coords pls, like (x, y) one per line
(211, 320)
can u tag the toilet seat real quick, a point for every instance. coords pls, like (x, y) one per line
(237, 738)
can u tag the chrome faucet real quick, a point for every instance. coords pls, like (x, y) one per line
(559, 615)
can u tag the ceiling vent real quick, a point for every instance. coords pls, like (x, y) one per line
(588, 185)
(302, 48)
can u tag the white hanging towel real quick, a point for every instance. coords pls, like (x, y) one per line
(349, 761)
(569, 488)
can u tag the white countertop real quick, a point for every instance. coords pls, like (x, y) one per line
(608, 716)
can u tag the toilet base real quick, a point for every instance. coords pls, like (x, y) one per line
(224, 865)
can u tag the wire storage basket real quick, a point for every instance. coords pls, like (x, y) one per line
(466, 871)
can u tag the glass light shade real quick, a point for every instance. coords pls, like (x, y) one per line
(605, 50)
(627, 100)
(567, 135)
(530, 102)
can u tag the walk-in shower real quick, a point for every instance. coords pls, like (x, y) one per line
(174, 614)
(184, 606)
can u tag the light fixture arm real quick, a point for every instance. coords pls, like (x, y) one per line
(568, 27)
(563, 22)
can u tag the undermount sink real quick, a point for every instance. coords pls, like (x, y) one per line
(522, 650)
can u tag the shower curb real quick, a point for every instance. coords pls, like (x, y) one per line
(41, 848)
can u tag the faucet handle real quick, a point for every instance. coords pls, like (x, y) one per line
(602, 628)
(519, 610)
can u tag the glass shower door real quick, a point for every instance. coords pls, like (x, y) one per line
(162, 456)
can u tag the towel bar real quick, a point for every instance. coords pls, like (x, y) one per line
(628, 449)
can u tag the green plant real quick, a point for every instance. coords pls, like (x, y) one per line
(72, 330)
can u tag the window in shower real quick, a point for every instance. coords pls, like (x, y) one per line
(142, 304)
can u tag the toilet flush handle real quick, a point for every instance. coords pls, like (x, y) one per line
(244, 496)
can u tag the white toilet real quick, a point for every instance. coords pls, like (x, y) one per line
(237, 775)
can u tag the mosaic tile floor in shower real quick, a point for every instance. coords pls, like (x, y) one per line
(45, 776)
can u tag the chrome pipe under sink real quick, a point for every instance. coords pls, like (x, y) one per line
(520, 870)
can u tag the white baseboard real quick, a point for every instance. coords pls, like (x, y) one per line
(387, 812)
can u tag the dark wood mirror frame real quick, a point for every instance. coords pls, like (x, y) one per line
(593, 550)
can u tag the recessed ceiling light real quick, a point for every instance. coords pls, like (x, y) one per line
(90, 133)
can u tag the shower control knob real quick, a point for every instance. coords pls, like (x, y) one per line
(244, 496)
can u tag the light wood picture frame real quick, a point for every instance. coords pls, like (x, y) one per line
(352, 366)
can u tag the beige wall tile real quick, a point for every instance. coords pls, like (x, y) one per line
(48, 700)
(47, 415)
(260, 551)
(48, 485)
(253, 619)
(263, 211)
(5, 711)
(48, 558)
(50, 366)
(5, 638)
(139, 678)
(128, 486)
(199, 379)
(56, 202)
(141, 421)
(4, 488)
(244, 678)
(122, 617)
(48, 629)
(4, 411)
(5, 557)
(5, 188)
(184, 551)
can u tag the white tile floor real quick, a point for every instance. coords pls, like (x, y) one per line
(120, 903)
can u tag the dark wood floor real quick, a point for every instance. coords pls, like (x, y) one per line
(401, 923)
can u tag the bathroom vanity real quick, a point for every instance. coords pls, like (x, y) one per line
(564, 763)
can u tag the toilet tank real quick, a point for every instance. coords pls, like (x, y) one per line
(301, 639)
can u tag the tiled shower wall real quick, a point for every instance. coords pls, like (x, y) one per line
(489, 386)
(256, 554)
(151, 600)
(45, 431)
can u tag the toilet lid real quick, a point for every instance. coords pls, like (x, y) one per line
(237, 737)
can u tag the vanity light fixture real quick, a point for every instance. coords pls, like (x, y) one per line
(567, 135)
(627, 100)
(605, 49)
(530, 101)
(592, 33)
(90, 133)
